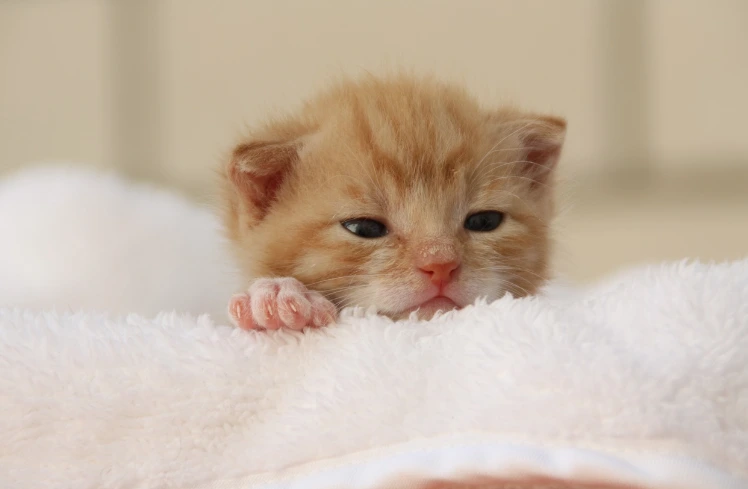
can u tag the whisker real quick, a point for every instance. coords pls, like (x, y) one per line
(511, 268)
(356, 275)
(504, 281)
(507, 285)
(513, 284)
(498, 268)
(346, 289)
(530, 272)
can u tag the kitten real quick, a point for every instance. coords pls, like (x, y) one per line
(399, 193)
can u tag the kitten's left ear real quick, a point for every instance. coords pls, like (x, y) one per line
(542, 138)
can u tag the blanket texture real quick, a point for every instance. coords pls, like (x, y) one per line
(641, 382)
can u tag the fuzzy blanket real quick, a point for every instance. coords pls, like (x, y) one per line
(641, 382)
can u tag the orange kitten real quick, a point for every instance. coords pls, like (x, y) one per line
(398, 193)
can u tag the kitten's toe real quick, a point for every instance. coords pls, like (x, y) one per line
(280, 302)
(274, 303)
(294, 309)
(240, 312)
(323, 311)
(263, 295)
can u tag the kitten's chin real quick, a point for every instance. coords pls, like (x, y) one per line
(428, 309)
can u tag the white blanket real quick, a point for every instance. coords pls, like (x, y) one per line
(640, 382)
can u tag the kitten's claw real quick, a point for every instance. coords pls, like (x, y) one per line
(274, 303)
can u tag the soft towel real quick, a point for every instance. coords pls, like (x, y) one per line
(640, 382)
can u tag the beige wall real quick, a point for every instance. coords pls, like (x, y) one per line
(55, 82)
(699, 98)
(160, 88)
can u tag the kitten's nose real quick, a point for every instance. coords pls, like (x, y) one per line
(440, 273)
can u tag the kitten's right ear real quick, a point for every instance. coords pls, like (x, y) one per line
(257, 170)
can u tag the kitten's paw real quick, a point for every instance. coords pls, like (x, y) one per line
(274, 303)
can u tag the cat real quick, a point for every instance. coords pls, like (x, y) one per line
(397, 192)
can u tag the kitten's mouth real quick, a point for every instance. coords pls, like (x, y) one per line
(427, 309)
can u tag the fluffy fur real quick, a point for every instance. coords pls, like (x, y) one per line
(415, 154)
(638, 383)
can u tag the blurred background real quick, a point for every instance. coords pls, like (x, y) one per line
(656, 165)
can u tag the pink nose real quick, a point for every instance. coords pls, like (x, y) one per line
(440, 273)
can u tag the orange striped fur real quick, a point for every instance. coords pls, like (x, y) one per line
(413, 153)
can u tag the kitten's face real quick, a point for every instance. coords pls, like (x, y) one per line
(402, 195)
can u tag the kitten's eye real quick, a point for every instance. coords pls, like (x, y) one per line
(365, 228)
(484, 221)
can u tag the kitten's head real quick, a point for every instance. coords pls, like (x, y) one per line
(397, 193)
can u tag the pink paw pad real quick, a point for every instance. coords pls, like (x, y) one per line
(274, 303)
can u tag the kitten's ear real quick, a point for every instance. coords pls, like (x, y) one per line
(257, 169)
(542, 138)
